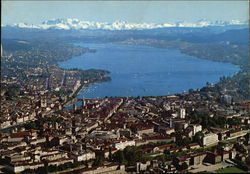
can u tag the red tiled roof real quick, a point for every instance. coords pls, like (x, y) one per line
(157, 137)
(245, 104)
(166, 146)
(183, 158)
(145, 150)
(20, 134)
(193, 144)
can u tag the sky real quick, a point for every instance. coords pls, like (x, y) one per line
(35, 12)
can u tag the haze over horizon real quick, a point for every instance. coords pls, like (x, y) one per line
(133, 12)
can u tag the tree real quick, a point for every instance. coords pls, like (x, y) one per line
(186, 141)
(240, 148)
(132, 155)
(183, 166)
(160, 158)
(12, 92)
(166, 152)
(119, 157)
(52, 168)
(241, 164)
(31, 125)
(99, 159)
(233, 121)
(198, 137)
(42, 170)
(27, 171)
(110, 157)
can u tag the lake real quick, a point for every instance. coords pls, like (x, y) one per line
(146, 71)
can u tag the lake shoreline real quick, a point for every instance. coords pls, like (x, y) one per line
(107, 46)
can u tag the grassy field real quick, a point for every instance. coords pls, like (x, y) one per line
(230, 170)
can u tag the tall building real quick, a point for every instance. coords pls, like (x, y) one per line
(171, 123)
(83, 102)
(226, 99)
(182, 113)
(197, 128)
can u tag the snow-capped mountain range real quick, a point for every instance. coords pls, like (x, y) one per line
(67, 24)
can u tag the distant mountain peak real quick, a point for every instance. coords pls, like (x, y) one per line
(74, 23)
